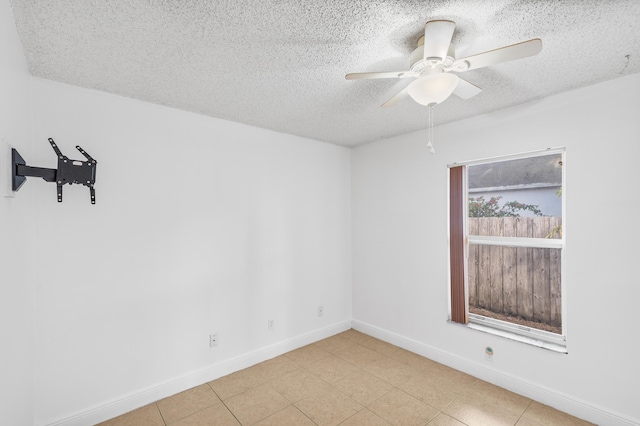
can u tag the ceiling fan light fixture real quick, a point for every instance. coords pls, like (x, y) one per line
(433, 88)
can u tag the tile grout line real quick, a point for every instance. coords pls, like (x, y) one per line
(160, 412)
(525, 410)
(223, 403)
(194, 412)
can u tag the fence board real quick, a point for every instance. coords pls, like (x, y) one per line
(541, 290)
(472, 265)
(554, 278)
(524, 280)
(495, 267)
(484, 267)
(509, 267)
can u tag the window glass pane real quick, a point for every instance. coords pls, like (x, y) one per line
(520, 285)
(521, 188)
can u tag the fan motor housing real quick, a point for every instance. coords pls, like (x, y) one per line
(418, 63)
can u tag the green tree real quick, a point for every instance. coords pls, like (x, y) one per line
(479, 207)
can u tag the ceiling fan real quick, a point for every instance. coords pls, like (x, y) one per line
(433, 62)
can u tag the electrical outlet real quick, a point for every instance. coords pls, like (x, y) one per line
(270, 324)
(488, 353)
(213, 340)
(320, 311)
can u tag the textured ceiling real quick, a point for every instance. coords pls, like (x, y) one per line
(280, 64)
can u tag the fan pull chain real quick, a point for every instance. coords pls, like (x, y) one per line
(430, 143)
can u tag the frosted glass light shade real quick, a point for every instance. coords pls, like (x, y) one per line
(433, 88)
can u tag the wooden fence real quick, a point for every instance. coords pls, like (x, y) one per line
(515, 281)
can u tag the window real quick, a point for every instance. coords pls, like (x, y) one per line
(506, 219)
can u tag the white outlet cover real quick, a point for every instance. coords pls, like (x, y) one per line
(488, 354)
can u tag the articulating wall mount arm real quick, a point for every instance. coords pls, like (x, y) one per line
(68, 171)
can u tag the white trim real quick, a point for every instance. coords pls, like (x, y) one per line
(515, 187)
(116, 407)
(509, 330)
(563, 259)
(489, 240)
(543, 394)
(536, 153)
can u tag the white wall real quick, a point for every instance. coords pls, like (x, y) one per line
(203, 225)
(16, 235)
(200, 226)
(400, 247)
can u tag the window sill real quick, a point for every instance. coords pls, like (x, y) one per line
(486, 326)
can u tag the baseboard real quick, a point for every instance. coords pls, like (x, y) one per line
(146, 396)
(561, 401)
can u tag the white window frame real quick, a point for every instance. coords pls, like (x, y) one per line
(513, 331)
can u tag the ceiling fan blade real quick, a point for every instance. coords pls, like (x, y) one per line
(497, 56)
(397, 98)
(385, 74)
(437, 38)
(466, 90)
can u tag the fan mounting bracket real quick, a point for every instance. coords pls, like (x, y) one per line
(419, 63)
(460, 66)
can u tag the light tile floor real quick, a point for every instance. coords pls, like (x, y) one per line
(347, 379)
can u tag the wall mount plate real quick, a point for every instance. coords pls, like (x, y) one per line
(16, 180)
(5, 169)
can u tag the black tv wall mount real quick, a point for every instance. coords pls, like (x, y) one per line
(68, 171)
